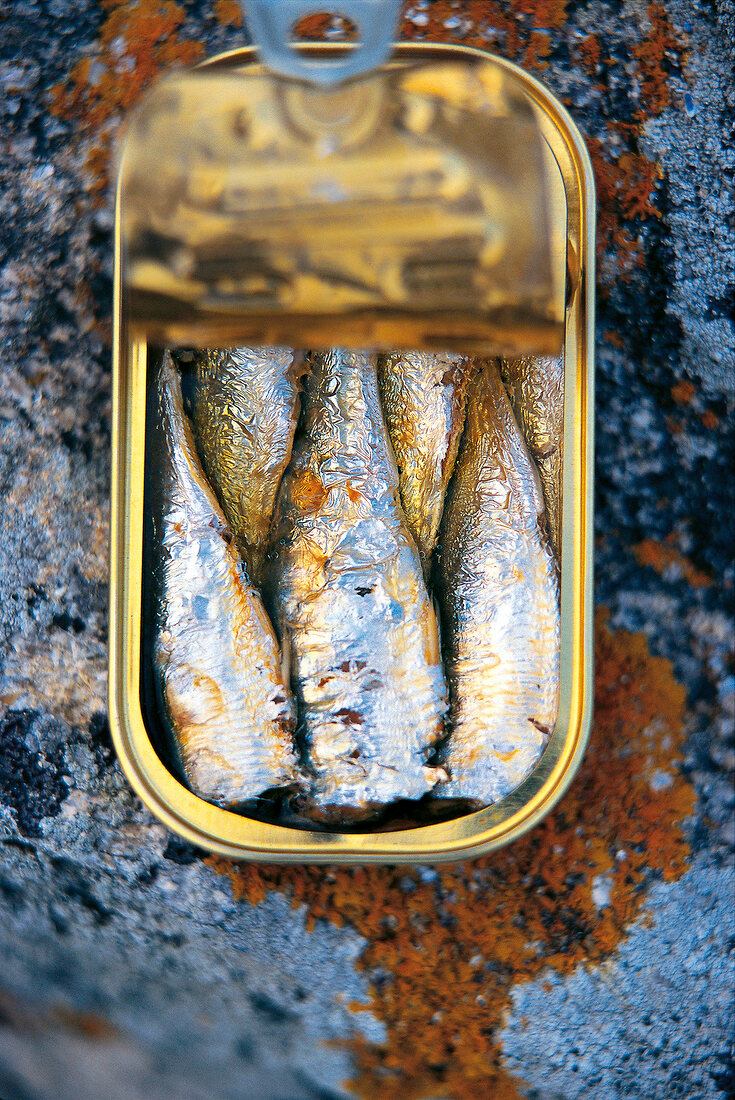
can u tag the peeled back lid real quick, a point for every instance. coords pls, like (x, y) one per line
(410, 208)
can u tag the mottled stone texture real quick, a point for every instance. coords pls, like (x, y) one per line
(128, 969)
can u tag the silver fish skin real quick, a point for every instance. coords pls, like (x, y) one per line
(499, 599)
(535, 385)
(215, 651)
(423, 398)
(245, 407)
(350, 603)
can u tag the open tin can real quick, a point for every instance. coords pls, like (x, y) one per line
(224, 238)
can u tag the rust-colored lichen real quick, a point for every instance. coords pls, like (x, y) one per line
(589, 53)
(627, 184)
(138, 40)
(228, 11)
(626, 190)
(520, 29)
(90, 1025)
(665, 557)
(683, 391)
(448, 951)
(654, 55)
(686, 395)
(314, 28)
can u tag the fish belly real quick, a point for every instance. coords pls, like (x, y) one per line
(215, 651)
(498, 592)
(423, 399)
(535, 386)
(245, 406)
(350, 602)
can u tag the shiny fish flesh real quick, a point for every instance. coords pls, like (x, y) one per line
(423, 398)
(536, 389)
(245, 406)
(349, 601)
(215, 650)
(499, 597)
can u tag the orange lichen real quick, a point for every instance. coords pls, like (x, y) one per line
(638, 178)
(138, 40)
(88, 1024)
(549, 14)
(625, 192)
(589, 52)
(316, 27)
(627, 184)
(612, 233)
(683, 392)
(653, 55)
(228, 11)
(521, 25)
(449, 951)
(544, 15)
(665, 557)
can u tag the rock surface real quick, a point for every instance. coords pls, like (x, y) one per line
(130, 967)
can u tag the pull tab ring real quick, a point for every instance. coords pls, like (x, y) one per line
(271, 23)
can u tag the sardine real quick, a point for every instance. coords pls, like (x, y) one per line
(215, 651)
(536, 389)
(423, 399)
(349, 601)
(245, 406)
(499, 598)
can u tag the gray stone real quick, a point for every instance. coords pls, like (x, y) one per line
(655, 1021)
